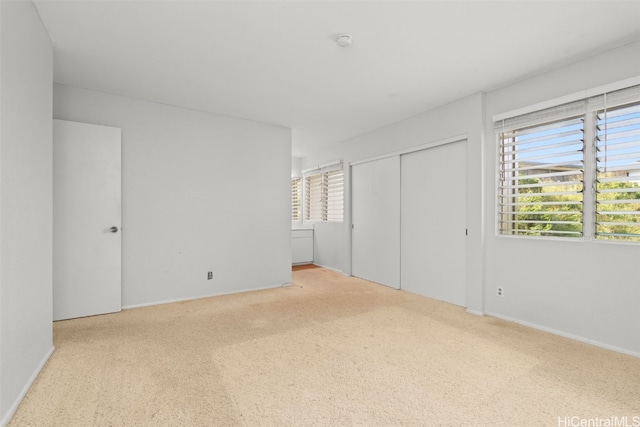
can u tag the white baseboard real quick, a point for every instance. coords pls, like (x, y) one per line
(474, 312)
(151, 304)
(567, 335)
(12, 410)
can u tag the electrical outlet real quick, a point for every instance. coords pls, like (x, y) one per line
(500, 291)
(209, 275)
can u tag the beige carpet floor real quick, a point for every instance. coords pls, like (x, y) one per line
(328, 350)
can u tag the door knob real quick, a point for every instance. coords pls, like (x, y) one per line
(114, 229)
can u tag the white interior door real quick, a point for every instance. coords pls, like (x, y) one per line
(375, 211)
(434, 219)
(86, 219)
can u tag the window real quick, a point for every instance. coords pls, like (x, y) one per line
(618, 173)
(324, 194)
(313, 198)
(572, 170)
(296, 199)
(334, 195)
(542, 176)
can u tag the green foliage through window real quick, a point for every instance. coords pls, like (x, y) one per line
(541, 179)
(551, 214)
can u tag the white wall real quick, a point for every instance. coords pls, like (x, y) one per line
(588, 290)
(328, 245)
(296, 167)
(26, 58)
(201, 193)
(460, 119)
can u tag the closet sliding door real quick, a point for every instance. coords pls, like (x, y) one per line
(433, 218)
(375, 207)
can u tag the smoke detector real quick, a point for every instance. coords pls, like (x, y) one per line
(344, 40)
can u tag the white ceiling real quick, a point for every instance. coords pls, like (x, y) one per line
(277, 61)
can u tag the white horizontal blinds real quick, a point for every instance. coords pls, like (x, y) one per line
(541, 169)
(541, 117)
(324, 193)
(296, 199)
(334, 195)
(313, 197)
(542, 157)
(617, 144)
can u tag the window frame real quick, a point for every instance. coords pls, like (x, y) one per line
(616, 96)
(323, 177)
(562, 143)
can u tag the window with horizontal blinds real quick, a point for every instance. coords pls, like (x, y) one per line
(296, 199)
(617, 145)
(334, 195)
(324, 194)
(542, 179)
(547, 159)
(313, 197)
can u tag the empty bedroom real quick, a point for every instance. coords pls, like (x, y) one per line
(265, 213)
